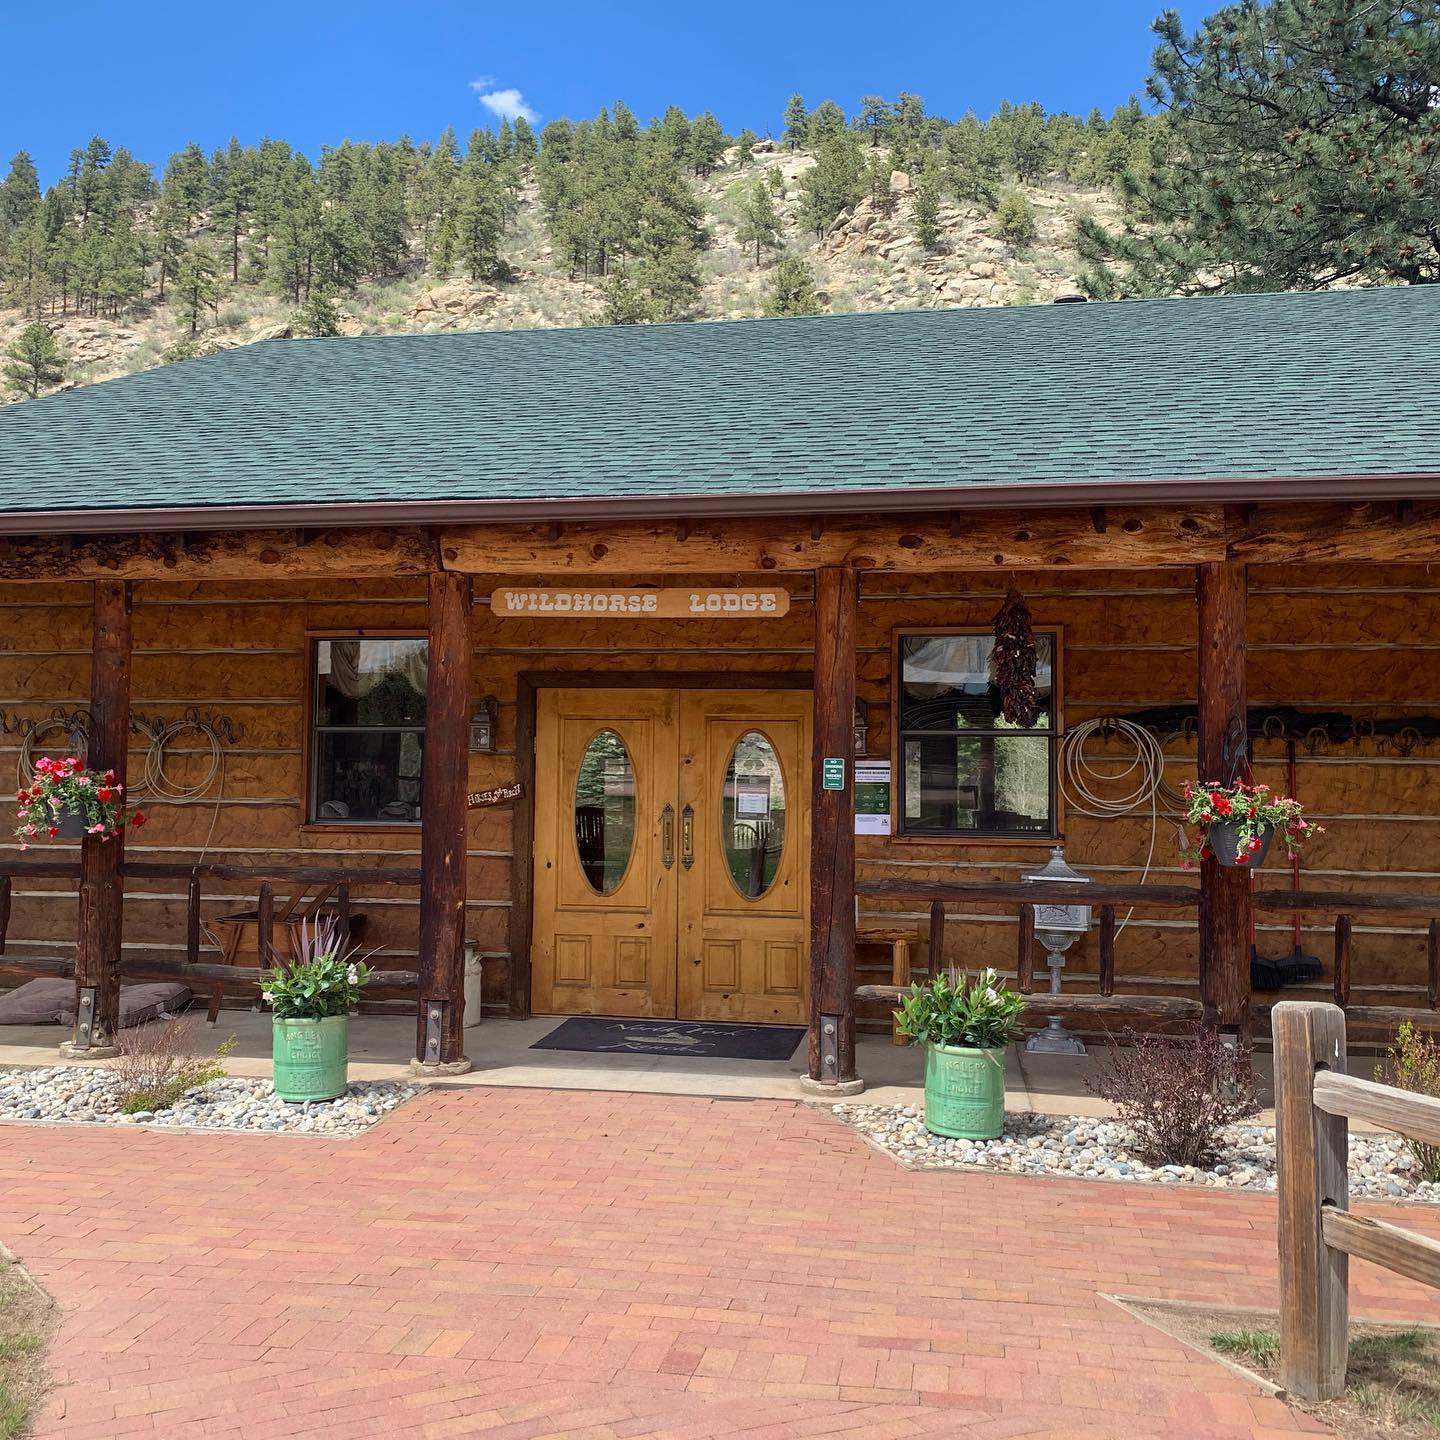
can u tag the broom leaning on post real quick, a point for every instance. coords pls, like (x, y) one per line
(965, 1029)
(312, 998)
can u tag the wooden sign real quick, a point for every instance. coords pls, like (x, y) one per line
(500, 795)
(738, 603)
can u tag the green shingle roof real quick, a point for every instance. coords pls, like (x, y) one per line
(1234, 388)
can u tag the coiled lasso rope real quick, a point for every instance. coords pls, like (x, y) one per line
(154, 779)
(1123, 786)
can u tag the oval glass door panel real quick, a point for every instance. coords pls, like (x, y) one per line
(605, 812)
(752, 815)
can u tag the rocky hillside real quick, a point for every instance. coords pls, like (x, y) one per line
(869, 260)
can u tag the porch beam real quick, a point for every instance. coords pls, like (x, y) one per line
(832, 838)
(102, 883)
(440, 1018)
(1394, 532)
(1222, 747)
(221, 555)
(1134, 537)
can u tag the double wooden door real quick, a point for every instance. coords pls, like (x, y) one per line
(672, 846)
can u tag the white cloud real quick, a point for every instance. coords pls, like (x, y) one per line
(506, 104)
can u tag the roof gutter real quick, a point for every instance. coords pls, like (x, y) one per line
(932, 499)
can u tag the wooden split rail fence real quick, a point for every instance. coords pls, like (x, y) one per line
(336, 880)
(1107, 899)
(1314, 1102)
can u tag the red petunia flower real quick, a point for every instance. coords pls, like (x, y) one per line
(137, 820)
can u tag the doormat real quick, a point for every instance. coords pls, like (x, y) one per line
(673, 1037)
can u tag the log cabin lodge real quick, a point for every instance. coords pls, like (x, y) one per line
(565, 650)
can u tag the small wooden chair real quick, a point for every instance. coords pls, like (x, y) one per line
(239, 935)
(899, 938)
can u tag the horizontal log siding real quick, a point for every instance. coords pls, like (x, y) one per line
(1355, 637)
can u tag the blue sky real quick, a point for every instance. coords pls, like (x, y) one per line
(155, 76)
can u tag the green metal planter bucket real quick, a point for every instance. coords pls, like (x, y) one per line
(310, 1058)
(964, 1092)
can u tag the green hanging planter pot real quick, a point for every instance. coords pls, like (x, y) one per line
(311, 1058)
(964, 1092)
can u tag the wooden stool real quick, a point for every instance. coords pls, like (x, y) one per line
(899, 938)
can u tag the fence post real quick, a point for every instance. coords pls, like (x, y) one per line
(1311, 1158)
(1025, 954)
(935, 948)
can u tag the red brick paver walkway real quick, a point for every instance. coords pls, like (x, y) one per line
(515, 1263)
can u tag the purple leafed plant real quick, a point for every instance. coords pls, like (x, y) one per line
(1174, 1093)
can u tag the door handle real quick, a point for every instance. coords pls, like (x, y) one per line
(687, 836)
(667, 836)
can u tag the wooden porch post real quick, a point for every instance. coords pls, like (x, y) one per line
(1223, 755)
(832, 839)
(440, 1021)
(97, 948)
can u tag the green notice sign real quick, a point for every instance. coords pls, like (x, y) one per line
(832, 772)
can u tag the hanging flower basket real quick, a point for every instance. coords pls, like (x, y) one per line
(1232, 846)
(65, 801)
(1237, 823)
(68, 824)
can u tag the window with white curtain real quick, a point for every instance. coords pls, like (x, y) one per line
(368, 736)
(964, 770)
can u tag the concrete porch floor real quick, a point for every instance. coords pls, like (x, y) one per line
(499, 1050)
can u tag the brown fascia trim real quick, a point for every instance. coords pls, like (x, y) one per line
(941, 499)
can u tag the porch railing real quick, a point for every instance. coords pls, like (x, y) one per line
(1343, 905)
(332, 879)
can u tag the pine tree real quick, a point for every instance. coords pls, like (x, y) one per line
(197, 286)
(1302, 152)
(187, 182)
(834, 183)
(525, 150)
(34, 362)
(171, 228)
(318, 316)
(673, 131)
(480, 215)
(434, 203)
(745, 144)
(624, 304)
(1015, 219)
(874, 117)
(233, 175)
(759, 222)
(909, 118)
(927, 210)
(19, 194)
(23, 270)
(792, 291)
(797, 122)
(878, 169)
(972, 161)
(826, 123)
(706, 145)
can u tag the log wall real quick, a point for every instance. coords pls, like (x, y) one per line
(1360, 638)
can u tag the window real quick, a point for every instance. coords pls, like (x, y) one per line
(964, 769)
(368, 742)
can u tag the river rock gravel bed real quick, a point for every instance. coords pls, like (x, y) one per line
(1081, 1148)
(73, 1093)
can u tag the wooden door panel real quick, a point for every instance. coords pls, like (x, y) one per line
(605, 901)
(743, 912)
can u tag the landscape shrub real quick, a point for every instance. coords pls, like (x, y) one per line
(157, 1065)
(1413, 1063)
(1174, 1093)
